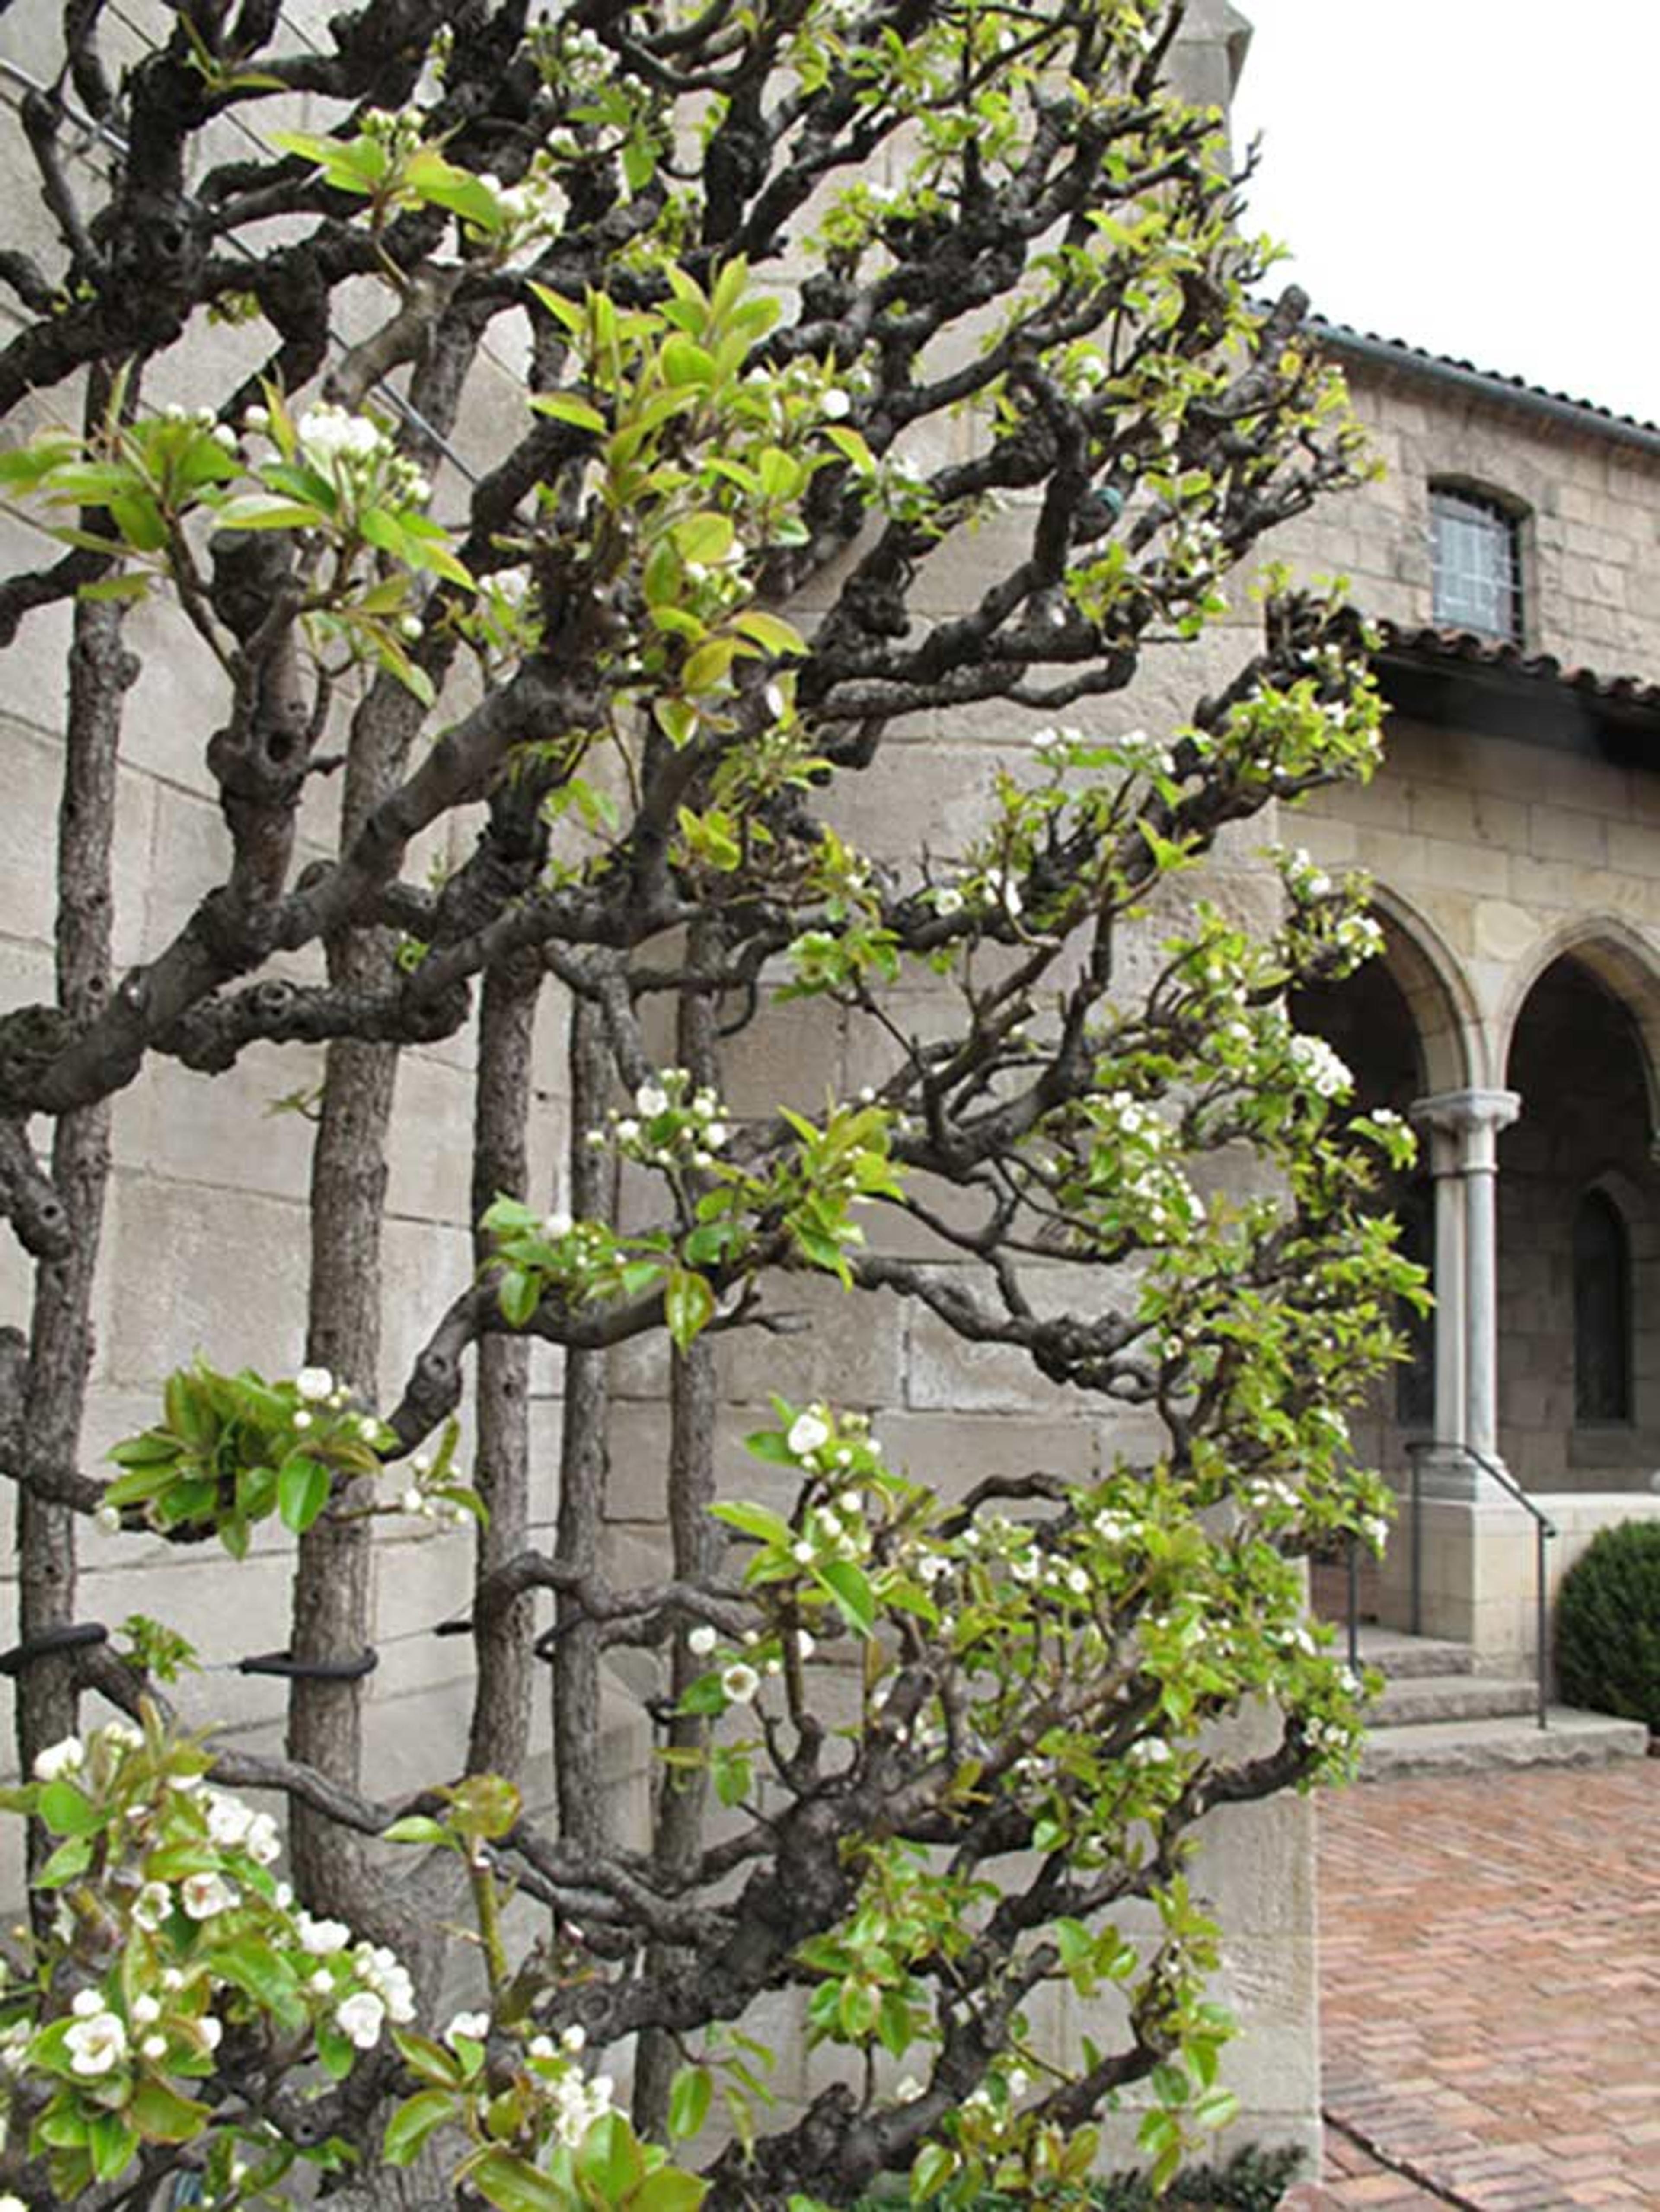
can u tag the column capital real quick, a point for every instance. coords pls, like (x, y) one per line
(1464, 1126)
(1462, 1110)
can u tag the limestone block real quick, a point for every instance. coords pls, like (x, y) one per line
(943, 1373)
(1557, 833)
(28, 836)
(430, 1155)
(223, 1129)
(202, 1269)
(793, 1057)
(424, 1267)
(954, 1451)
(1465, 868)
(1504, 931)
(180, 698)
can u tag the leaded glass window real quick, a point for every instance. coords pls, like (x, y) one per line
(1477, 564)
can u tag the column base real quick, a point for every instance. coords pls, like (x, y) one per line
(1450, 1472)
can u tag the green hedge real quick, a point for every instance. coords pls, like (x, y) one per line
(1253, 2180)
(1607, 1624)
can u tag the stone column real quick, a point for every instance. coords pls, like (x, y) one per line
(1451, 1298)
(1464, 1128)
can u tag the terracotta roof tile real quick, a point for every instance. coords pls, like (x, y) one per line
(1429, 642)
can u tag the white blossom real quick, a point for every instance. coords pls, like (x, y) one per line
(740, 1681)
(313, 1384)
(475, 2025)
(204, 1896)
(1324, 1071)
(360, 2018)
(67, 1757)
(263, 1845)
(321, 1938)
(808, 1432)
(152, 1905)
(96, 2042)
(701, 1640)
(229, 1819)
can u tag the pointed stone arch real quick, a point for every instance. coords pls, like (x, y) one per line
(1438, 995)
(1625, 961)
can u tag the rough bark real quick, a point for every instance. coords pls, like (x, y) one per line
(584, 1463)
(61, 1336)
(501, 1634)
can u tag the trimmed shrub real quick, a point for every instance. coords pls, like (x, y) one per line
(1252, 2180)
(1607, 1624)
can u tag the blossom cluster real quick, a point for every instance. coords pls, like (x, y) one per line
(1132, 1174)
(674, 1125)
(1323, 1069)
(167, 1901)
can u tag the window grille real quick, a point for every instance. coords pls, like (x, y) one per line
(1477, 564)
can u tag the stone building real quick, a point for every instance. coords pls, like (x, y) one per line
(1513, 840)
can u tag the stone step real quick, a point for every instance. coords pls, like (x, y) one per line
(1574, 1739)
(1413, 1699)
(1401, 1657)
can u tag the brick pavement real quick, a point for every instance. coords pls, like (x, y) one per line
(1490, 1987)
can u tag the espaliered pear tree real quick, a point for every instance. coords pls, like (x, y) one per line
(806, 294)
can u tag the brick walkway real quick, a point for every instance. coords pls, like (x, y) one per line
(1490, 1990)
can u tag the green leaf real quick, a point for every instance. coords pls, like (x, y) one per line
(668, 2191)
(68, 1811)
(756, 1521)
(706, 666)
(132, 585)
(419, 2117)
(771, 631)
(111, 2143)
(302, 1491)
(688, 1305)
(439, 182)
(263, 510)
(563, 311)
(849, 1585)
(707, 537)
(162, 2115)
(688, 2099)
(935, 2165)
(513, 2184)
(518, 1293)
(564, 407)
(609, 2163)
(65, 1863)
(257, 1967)
(417, 1828)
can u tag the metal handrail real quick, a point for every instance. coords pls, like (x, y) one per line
(1544, 1530)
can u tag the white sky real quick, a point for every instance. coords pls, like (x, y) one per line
(1478, 177)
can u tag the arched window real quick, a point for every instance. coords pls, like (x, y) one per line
(1476, 556)
(1601, 1311)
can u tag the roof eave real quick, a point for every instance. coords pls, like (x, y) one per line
(1502, 391)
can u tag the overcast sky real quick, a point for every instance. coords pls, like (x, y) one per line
(1475, 176)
